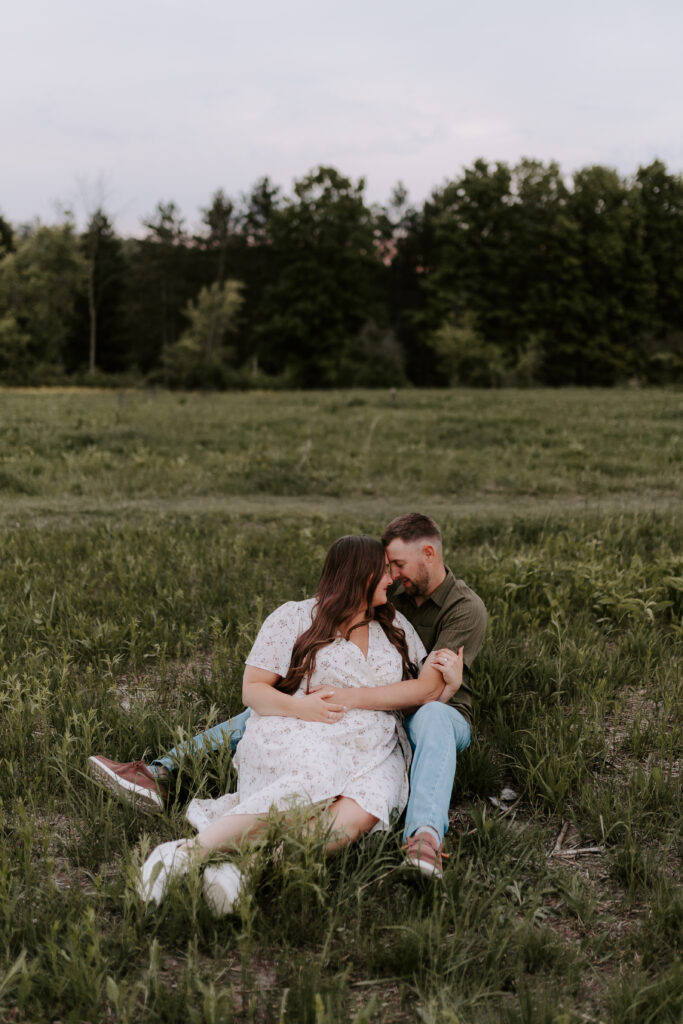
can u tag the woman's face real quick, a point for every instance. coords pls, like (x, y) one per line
(380, 594)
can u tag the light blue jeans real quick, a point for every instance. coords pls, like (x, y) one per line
(436, 733)
(226, 732)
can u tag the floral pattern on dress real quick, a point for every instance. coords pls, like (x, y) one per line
(284, 762)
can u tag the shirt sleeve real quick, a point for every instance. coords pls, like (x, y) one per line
(463, 625)
(273, 646)
(416, 649)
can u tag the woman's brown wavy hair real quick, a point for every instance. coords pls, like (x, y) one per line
(353, 569)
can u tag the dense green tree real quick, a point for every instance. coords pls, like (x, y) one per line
(504, 275)
(611, 304)
(166, 238)
(401, 247)
(543, 266)
(464, 357)
(202, 355)
(39, 286)
(472, 225)
(258, 208)
(163, 271)
(481, 266)
(6, 237)
(661, 199)
(327, 271)
(223, 241)
(220, 225)
(104, 261)
(258, 261)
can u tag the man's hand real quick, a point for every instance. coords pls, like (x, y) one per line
(318, 706)
(450, 665)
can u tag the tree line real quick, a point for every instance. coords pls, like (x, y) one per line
(504, 275)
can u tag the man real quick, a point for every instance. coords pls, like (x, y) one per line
(447, 615)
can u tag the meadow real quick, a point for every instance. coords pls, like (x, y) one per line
(143, 538)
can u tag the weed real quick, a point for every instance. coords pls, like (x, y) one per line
(141, 545)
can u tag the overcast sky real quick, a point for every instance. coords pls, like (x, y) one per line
(172, 99)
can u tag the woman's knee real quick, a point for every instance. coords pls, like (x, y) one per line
(350, 817)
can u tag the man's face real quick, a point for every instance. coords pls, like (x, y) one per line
(408, 565)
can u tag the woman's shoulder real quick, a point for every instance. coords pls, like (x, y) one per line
(272, 648)
(301, 608)
(293, 613)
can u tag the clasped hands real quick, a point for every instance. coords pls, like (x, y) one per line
(451, 666)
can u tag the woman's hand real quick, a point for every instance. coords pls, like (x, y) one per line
(318, 706)
(450, 665)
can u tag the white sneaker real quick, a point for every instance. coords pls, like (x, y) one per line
(223, 885)
(169, 860)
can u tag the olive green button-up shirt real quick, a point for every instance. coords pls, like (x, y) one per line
(452, 616)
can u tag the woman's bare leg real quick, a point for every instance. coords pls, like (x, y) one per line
(347, 820)
(229, 832)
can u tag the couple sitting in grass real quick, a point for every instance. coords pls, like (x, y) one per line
(321, 684)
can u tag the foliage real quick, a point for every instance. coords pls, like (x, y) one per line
(201, 355)
(6, 237)
(464, 357)
(564, 281)
(145, 535)
(39, 284)
(322, 294)
(15, 357)
(103, 253)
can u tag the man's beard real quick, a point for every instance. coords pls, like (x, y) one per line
(419, 587)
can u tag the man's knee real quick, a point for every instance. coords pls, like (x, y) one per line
(428, 720)
(436, 722)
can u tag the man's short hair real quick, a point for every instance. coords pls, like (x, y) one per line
(410, 527)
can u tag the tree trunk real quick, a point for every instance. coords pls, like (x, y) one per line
(92, 308)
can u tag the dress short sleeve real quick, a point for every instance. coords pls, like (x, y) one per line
(416, 649)
(273, 646)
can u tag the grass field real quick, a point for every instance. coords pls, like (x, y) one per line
(143, 538)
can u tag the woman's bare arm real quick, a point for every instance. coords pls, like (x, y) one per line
(259, 693)
(409, 693)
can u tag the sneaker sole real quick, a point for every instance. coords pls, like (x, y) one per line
(144, 799)
(424, 867)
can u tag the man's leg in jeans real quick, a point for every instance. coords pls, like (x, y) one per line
(230, 731)
(436, 732)
(146, 785)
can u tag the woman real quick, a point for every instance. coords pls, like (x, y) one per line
(347, 762)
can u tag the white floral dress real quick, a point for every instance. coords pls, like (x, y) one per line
(285, 762)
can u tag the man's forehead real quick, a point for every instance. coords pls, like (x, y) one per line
(398, 548)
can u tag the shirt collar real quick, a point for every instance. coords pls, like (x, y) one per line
(439, 595)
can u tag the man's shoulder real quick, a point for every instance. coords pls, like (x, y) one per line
(460, 595)
(457, 589)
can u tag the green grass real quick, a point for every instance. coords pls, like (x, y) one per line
(143, 537)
